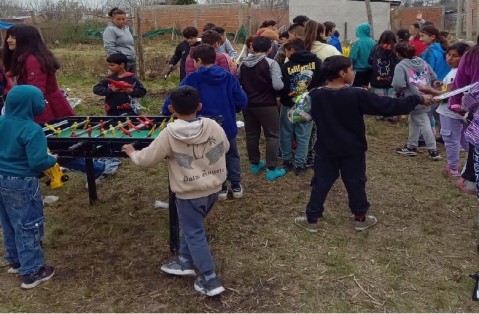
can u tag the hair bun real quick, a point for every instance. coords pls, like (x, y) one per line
(110, 13)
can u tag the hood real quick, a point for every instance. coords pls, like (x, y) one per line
(214, 74)
(187, 132)
(437, 47)
(113, 25)
(303, 57)
(417, 64)
(363, 30)
(252, 60)
(24, 101)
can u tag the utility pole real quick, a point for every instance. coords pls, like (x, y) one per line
(249, 16)
(139, 45)
(469, 19)
(459, 20)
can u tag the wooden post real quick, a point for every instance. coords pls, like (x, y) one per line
(139, 45)
(34, 20)
(249, 16)
(468, 19)
(459, 20)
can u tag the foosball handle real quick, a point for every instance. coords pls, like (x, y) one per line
(76, 146)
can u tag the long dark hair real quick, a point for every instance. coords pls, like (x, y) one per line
(405, 50)
(312, 33)
(387, 39)
(28, 42)
(432, 31)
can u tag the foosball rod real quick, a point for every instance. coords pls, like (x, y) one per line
(93, 128)
(66, 129)
(55, 125)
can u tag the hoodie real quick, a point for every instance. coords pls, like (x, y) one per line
(221, 61)
(323, 51)
(409, 74)
(24, 146)
(195, 153)
(383, 59)
(221, 96)
(335, 42)
(119, 40)
(470, 102)
(435, 56)
(467, 73)
(181, 53)
(300, 74)
(260, 78)
(362, 48)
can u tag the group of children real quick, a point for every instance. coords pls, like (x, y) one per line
(213, 86)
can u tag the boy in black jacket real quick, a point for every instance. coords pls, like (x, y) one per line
(119, 88)
(338, 109)
(300, 74)
(182, 51)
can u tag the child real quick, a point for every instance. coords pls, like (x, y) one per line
(403, 35)
(313, 41)
(415, 39)
(330, 33)
(360, 54)
(435, 54)
(260, 78)
(300, 74)
(221, 95)
(195, 178)
(452, 123)
(283, 37)
(294, 31)
(23, 157)
(383, 60)
(183, 49)
(225, 45)
(411, 73)
(338, 110)
(118, 99)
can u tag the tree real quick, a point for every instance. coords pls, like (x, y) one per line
(10, 8)
(369, 13)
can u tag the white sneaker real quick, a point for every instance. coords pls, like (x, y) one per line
(223, 195)
(237, 191)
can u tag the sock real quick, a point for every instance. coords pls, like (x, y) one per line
(313, 220)
(359, 218)
(210, 276)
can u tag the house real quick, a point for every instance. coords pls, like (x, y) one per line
(347, 14)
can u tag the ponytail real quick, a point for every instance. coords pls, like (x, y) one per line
(432, 31)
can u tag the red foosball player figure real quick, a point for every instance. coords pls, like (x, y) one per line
(89, 130)
(73, 134)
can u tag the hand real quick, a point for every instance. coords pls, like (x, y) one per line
(233, 64)
(128, 149)
(419, 15)
(437, 84)
(425, 89)
(115, 89)
(128, 90)
(428, 100)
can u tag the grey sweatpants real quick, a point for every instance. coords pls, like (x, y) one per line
(419, 124)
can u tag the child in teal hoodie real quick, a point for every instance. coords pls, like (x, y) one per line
(22, 158)
(360, 54)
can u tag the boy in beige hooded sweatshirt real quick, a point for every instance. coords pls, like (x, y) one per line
(195, 152)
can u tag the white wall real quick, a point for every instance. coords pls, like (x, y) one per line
(341, 12)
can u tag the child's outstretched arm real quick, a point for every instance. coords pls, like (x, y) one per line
(37, 153)
(372, 104)
(152, 155)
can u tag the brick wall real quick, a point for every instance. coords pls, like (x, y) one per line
(404, 17)
(228, 16)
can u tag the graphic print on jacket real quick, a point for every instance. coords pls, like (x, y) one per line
(199, 151)
(300, 78)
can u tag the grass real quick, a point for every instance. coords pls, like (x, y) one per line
(108, 255)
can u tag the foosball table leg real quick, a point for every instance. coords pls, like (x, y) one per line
(174, 223)
(90, 177)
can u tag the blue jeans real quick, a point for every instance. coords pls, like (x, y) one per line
(193, 244)
(302, 133)
(233, 165)
(21, 214)
(79, 164)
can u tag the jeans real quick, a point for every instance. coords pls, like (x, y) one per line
(420, 124)
(452, 132)
(233, 165)
(302, 133)
(21, 214)
(193, 243)
(326, 172)
(79, 164)
(266, 118)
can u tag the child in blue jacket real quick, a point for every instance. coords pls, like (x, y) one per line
(22, 158)
(221, 96)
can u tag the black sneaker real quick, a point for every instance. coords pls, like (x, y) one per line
(288, 165)
(14, 268)
(421, 143)
(299, 171)
(406, 151)
(210, 288)
(434, 155)
(32, 280)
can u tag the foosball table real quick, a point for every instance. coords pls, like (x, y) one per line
(104, 136)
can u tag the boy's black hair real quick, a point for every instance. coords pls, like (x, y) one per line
(208, 26)
(461, 48)
(210, 37)
(328, 27)
(185, 99)
(300, 19)
(117, 58)
(206, 53)
(190, 32)
(333, 65)
(268, 23)
(219, 30)
(387, 37)
(116, 11)
(297, 44)
(405, 50)
(284, 34)
(403, 34)
(261, 44)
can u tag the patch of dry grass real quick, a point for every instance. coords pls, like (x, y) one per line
(415, 260)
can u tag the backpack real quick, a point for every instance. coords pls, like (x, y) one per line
(301, 110)
(383, 63)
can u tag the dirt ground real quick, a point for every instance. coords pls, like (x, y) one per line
(108, 256)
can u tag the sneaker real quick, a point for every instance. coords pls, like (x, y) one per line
(178, 268)
(210, 288)
(434, 155)
(451, 172)
(363, 225)
(224, 192)
(302, 222)
(288, 165)
(237, 190)
(34, 279)
(406, 151)
(272, 175)
(255, 169)
(14, 268)
(299, 171)
(466, 186)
